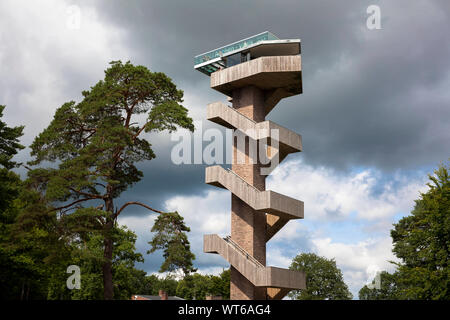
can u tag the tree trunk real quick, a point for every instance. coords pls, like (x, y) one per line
(108, 290)
(28, 291)
(107, 269)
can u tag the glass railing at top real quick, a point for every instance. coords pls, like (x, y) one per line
(239, 45)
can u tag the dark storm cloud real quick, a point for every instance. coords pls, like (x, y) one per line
(371, 98)
(168, 34)
(163, 180)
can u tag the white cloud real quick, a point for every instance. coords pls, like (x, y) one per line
(361, 247)
(138, 224)
(141, 225)
(212, 270)
(275, 257)
(363, 202)
(294, 229)
(328, 195)
(358, 261)
(206, 214)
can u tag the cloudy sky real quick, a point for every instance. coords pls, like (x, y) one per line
(374, 115)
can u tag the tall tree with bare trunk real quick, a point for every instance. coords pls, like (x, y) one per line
(95, 144)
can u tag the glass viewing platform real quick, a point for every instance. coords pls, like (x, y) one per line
(244, 50)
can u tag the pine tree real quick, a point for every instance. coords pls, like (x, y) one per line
(95, 144)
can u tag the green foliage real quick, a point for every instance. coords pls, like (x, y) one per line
(10, 187)
(221, 284)
(192, 286)
(24, 247)
(197, 286)
(9, 142)
(154, 283)
(87, 253)
(388, 289)
(324, 280)
(171, 237)
(9, 181)
(97, 141)
(45, 225)
(422, 240)
(31, 249)
(94, 146)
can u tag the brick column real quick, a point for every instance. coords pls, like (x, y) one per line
(248, 227)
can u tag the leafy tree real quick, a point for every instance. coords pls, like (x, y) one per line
(9, 142)
(324, 280)
(36, 242)
(172, 239)
(194, 287)
(87, 253)
(422, 240)
(21, 268)
(9, 146)
(30, 250)
(95, 144)
(221, 284)
(387, 291)
(153, 284)
(197, 286)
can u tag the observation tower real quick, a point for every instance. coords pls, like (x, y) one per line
(255, 74)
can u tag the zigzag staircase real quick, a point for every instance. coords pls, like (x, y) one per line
(279, 209)
(279, 280)
(256, 86)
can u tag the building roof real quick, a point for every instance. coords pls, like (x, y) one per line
(147, 297)
(262, 44)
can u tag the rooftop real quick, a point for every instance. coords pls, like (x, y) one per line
(149, 297)
(262, 44)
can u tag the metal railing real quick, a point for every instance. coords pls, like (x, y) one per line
(241, 114)
(243, 252)
(241, 178)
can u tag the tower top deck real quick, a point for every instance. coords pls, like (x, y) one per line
(260, 45)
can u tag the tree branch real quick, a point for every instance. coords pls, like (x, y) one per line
(136, 203)
(26, 167)
(71, 204)
(94, 196)
(140, 130)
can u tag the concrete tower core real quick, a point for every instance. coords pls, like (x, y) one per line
(255, 74)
